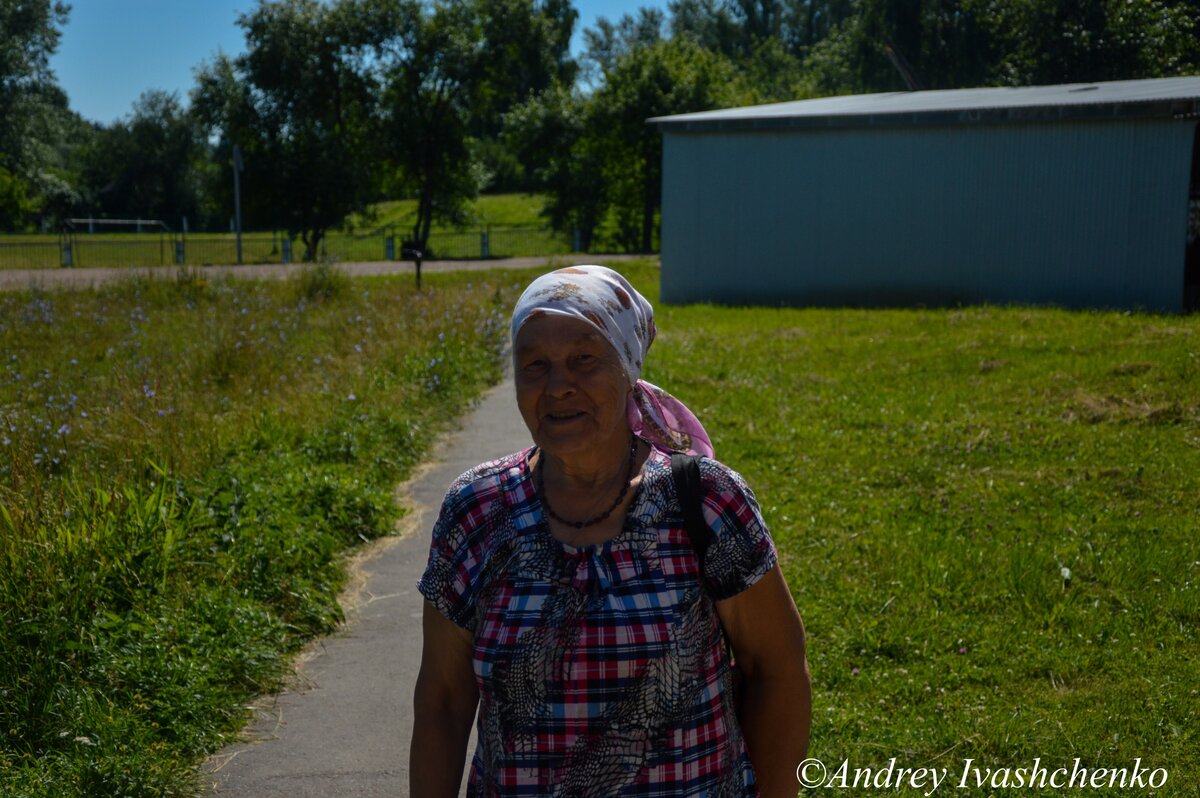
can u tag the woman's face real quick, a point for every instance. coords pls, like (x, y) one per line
(571, 388)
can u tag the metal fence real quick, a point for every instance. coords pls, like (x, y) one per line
(27, 252)
(82, 250)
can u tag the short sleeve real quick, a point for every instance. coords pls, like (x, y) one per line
(741, 551)
(456, 554)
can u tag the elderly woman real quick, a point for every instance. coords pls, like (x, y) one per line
(566, 601)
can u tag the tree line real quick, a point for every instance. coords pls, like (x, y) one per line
(336, 105)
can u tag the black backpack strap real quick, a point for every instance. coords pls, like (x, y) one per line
(685, 468)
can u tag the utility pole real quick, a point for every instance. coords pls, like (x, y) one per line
(237, 198)
(901, 64)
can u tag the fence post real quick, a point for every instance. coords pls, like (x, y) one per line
(484, 245)
(287, 250)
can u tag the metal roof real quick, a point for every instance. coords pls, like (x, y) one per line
(1122, 99)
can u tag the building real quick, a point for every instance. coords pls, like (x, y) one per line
(1074, 195)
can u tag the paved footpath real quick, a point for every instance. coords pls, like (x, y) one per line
(15, 279)
(345, 728)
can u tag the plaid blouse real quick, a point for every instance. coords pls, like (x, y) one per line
(601, 669)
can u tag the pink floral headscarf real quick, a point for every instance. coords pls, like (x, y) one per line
(606, 300)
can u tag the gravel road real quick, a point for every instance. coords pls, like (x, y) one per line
(17, 279)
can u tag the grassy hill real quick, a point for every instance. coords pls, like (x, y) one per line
(494, 210)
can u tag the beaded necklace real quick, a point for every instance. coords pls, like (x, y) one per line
(541, 489)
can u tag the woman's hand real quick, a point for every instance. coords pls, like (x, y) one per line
(775, 706)
(444, 708)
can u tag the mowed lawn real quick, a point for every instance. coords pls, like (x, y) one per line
(989, 518)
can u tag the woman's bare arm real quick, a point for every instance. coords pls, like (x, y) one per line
(775, 707)
(444, 708)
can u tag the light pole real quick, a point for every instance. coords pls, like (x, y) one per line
(237, 199)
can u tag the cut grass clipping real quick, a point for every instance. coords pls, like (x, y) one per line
(181, 466)
(987, 516)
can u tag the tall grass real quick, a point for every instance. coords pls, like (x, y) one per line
(181, 467)
(989, 518)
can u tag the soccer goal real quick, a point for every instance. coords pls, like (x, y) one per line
(116, 242)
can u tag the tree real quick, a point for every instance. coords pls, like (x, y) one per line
(737, 28)
(939, 44)
(1068, 41)
(525, 50)
(554, 129)
(602, 161)
(608, 42)
(528, 46)
(963, 43)
(145, 165)
(299, 106)
(29, 33)
(708, 23)
(427, 62)
(672, 76)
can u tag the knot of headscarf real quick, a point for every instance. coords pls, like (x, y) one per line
(604, 299)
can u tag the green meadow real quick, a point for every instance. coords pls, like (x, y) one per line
(987, 516)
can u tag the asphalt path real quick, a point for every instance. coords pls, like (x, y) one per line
(16, 279)
(344, 727)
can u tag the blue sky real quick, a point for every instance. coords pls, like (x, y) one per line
(113, 50)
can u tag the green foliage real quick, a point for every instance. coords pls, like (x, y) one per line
(321, 281)
(144, 166)
(431, 74)
(36, 128)
(609, 42)
(182, 467)
(1063, 42)
(445, 72)
(604, 135)
(15, 205)
(667, 78)
(525, 50)
(966, 43)
(709, 23)
(29, 33)
(557, 124)
(300, 107)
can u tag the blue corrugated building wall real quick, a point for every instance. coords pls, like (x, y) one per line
(1082, 207)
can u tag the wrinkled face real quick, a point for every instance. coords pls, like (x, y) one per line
(571, 388)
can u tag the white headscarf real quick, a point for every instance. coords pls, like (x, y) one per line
(604, 299)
